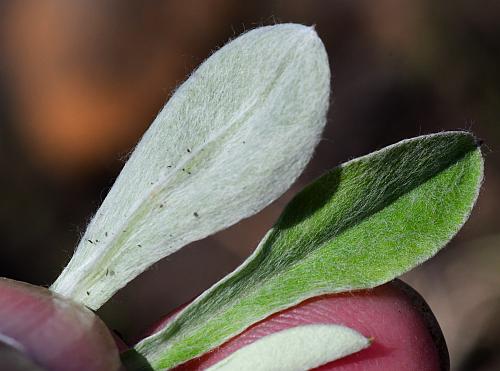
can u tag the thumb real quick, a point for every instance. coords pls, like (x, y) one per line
(51, 332)
(406, 335)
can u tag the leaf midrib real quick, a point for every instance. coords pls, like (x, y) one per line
(261, 255)
(109, 254)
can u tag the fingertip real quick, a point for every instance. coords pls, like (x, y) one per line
(55, 333)
(429, 320)
(405, 333)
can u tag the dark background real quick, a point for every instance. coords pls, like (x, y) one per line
(80, 81)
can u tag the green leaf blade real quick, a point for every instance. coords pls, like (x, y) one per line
(359, 226)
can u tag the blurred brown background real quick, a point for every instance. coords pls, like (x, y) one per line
(80, 81)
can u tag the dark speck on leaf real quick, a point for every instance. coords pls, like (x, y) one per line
(195, 214)
(189, 150)
(90, 241)
(88, 292)
(139, 245)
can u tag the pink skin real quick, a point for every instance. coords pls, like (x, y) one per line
(54, 332)
(60, 335)
(405, 334)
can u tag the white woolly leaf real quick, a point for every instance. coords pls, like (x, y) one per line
(231, 140)
(298, 348)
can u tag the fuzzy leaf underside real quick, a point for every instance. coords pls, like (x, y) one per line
(247, 120)
(359, 226)
(298, 348)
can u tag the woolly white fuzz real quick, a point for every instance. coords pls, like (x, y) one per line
(231, 140)
(295, 349)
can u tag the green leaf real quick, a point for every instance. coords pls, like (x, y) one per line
(299, 348)
(231, 140)
(359, 226)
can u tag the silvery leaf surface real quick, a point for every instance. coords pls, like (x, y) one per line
(230, 140)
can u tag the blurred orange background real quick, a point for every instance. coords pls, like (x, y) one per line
(80, 81)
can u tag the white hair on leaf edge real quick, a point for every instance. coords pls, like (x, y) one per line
(231, 140)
